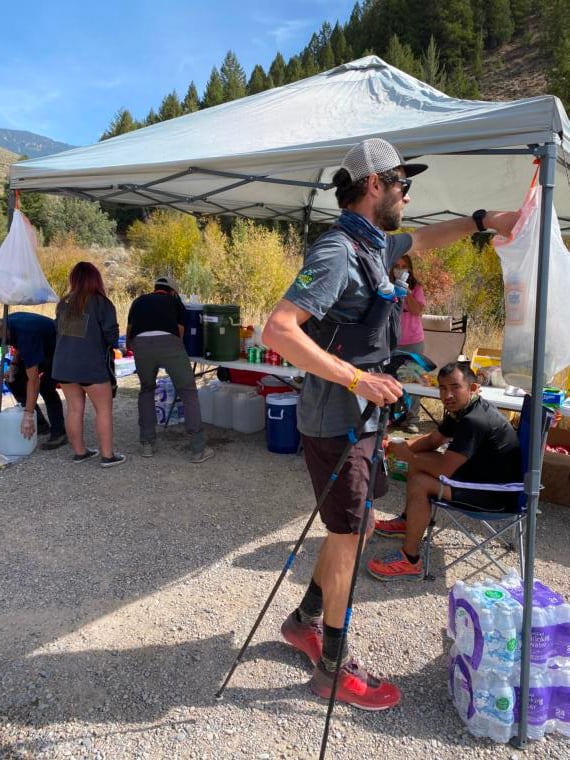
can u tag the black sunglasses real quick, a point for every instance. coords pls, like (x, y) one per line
(405, 183)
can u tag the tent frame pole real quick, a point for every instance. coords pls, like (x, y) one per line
(532, 479)
(11, 207)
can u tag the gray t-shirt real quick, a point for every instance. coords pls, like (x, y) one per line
(332, 283)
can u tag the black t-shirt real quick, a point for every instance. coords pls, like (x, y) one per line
(156, 311)
(488, 441)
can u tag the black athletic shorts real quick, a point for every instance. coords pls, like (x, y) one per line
(485, 501)
(344, 506)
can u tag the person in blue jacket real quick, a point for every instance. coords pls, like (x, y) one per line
(32, 337)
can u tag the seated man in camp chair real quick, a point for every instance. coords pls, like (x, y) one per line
(482, 448)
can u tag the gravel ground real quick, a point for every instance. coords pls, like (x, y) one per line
(126, 594)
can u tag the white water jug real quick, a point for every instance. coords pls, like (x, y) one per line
(12, 442)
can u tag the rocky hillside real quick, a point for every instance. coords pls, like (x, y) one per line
(30, 144)
(6, 158)
(516, 70)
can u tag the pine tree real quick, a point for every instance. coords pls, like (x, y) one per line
(233, 78)
(559, 78)
(214, 92)
(151, 118)
(308, 64)
(325, 35)
(401, 57)
(521, 10)
(353, 31)
(277, 70)
(454, 31)
(499, 25)
(170, 108)
(340, 47)
(460, 85)
(191, 102)
(432, 71)
(326, 58)
(122, 122)
(258, 81)
(293, 70)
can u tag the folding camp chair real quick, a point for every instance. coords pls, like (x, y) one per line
(514, 522)
(444, 337)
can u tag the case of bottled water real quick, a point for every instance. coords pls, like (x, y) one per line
(485, 623)
(164, 396)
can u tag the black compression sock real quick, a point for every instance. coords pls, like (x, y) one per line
(332, 638)
(413, 558)
(311, 606)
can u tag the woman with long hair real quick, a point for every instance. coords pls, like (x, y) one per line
(411, 329)
(87, 330)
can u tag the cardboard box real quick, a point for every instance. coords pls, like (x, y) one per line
(556, 470)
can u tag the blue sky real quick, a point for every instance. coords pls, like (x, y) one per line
(67, 66)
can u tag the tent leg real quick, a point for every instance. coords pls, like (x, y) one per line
(532, 479)
(11, 207)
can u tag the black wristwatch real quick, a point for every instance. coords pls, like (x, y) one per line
(478, 217)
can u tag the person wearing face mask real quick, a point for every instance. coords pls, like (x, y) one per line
(411, 328)
(483, 447)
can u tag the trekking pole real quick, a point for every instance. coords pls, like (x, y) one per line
(353, 438)
(376, 457)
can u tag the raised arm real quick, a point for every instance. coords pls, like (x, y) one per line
(444, 233)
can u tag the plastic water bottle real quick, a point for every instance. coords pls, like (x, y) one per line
(559, 711)
(500, 709)
(540, 693)
(386, 290)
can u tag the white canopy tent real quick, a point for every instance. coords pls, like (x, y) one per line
(272, 156)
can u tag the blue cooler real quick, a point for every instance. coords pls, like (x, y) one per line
(281, 423)
(193, 329)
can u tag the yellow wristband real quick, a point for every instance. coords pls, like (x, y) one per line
(355, 380)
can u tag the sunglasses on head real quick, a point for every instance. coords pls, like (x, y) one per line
(404, 182)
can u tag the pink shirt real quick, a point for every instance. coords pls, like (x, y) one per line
(412, 330)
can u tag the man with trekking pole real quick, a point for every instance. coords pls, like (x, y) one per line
(334, 322)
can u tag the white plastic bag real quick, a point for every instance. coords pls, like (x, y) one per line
(519, 261)
(21, 278)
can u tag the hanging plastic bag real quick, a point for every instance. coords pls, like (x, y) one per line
(519, 261)
(22, 281)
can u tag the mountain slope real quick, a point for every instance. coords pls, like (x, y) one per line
(30, 144)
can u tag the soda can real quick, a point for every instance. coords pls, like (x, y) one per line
(261, 355)
(274, 359)
(252, 354)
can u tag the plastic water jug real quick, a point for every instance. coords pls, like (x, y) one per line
(12, 442)
(248, 412)
(222, 408)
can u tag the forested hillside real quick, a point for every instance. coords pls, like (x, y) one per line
(467, 48)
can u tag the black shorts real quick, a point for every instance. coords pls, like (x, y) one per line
(344, 506)
(485, 501)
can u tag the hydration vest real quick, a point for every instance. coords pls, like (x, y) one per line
(367, 343)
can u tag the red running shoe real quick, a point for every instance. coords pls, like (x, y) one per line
(306, 637)
(394, 567)
(394, 528)
(355, 686)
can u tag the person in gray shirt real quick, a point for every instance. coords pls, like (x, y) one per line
(336, 321)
